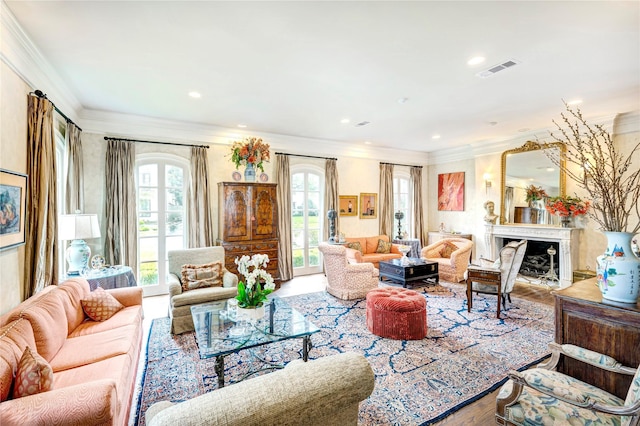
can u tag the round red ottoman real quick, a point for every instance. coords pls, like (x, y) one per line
(397, 313)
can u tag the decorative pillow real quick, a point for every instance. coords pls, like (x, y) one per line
(200, 276)
(447, 249)
(355, 245)
(99, 305)
(383, 247)
(33, 375)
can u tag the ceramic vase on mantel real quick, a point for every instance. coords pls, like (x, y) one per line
(250, 173)
(619, 269)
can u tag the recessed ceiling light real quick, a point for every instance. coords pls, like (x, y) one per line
(551, 169)
(367, 142)
(435, 137)
(575, 102)
(242, 126)
(476, 60)
(493, 123)
(195, 95)
(403, 100)
(345, 120)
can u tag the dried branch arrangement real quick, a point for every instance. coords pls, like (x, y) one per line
(611, 180)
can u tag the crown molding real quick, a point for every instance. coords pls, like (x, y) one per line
(25, 59)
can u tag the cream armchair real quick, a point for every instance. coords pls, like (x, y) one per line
(346, 280)
(180, 302)
(544, 396)
(452, 255)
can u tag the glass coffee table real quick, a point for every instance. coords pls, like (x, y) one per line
(219, 333)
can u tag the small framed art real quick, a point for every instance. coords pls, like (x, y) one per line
(368, 205)
(451, 191)
(13, 207)
(348, 205)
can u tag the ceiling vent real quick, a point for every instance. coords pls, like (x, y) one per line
(362, 123)
(497, 68)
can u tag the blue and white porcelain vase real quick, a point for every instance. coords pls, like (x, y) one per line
(619, 269)
(250, 173)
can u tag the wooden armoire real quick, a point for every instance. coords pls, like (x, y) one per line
(248, 223)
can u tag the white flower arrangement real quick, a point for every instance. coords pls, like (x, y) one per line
(258, 282)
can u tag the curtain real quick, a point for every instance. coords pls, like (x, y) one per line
(41, 223)
(331, 197)
(74, 199)
(385, 203)
(199, 206)
(285, 252)
(418, 218)
(120, 246)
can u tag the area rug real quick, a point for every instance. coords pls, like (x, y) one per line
(464, 356)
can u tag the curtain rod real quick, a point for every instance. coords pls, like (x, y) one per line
(107, 138)
(406, 165)
(307, 156)
(39, 94)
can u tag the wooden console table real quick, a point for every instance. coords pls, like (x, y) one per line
(584, 319)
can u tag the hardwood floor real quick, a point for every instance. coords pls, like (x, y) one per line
(479, 413)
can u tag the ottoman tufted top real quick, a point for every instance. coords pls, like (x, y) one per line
(396, 299)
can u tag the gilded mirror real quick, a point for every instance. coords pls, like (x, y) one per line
(525, 166)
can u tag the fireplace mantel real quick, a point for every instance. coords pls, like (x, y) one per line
(567, 238)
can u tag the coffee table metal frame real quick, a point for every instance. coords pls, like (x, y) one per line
(416, 269)
(217, 336)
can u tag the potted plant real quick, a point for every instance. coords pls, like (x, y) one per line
(250, 152)
(612, 183)
(258, 284)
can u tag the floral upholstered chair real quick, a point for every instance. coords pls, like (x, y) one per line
(452, 255)
(542, 396)
(347, 280)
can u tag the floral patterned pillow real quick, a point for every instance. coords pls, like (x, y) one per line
(447, 250)
(383, 247)
(99, 305)
(33, 375)
(355, 245)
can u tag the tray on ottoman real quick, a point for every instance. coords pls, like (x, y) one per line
(411, 270)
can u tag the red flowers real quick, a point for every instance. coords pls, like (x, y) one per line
(567, 206)
(250, 151)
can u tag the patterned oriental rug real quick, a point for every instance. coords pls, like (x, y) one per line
(464, 356)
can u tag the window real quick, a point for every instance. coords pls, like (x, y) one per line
(402, 201)
(162, 223)
(307, 221)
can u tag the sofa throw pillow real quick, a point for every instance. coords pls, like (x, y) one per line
(355, 245)
(33, 375)
(201, 276)
(447, 249)
(384, 247)
(99, 305)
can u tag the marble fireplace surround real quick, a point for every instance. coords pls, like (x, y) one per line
(567, 239)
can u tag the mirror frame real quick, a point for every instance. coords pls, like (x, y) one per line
(528, 147)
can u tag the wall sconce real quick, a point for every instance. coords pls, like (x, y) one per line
(487, 182)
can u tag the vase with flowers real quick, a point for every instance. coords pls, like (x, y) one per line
(534, 194)
(594, 161)
(258, 284)
(567, 208)
(250, 152)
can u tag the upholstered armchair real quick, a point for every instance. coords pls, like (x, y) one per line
(544, 396)
(180, 301)
(496, 276)
(452, 255)
(347, 280)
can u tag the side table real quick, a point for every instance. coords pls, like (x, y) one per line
(414, 243)
(111, 277)
(483, 276)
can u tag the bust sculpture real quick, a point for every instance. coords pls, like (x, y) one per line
(490, 217)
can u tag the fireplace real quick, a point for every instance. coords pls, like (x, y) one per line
(539, 239)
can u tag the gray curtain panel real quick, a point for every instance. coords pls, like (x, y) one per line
(385, 201)
(199, 206)
(74, 197)
(41, 223)
(418, 218)
(285, 252)
(120, 245)
(331, 197)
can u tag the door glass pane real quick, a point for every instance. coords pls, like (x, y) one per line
(173, 176)
(298, 258)
(298, 238)
(297, 182)
(148, 224)
(149, 273)
(148, 249)
(314, 257)
(313, 183)
(175, 243)
(174, 223)
(148, 175)
(148, 199)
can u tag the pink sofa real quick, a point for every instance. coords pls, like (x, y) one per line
(94, 363)
(369, 246)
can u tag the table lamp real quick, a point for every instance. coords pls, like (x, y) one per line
(77, 228)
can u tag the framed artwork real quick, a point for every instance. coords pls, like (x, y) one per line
(368, 205)
(13, 206)
(451, 191)
(348, 205)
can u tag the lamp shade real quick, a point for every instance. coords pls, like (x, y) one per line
(78, 227)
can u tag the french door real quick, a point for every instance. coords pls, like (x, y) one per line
(307, 189)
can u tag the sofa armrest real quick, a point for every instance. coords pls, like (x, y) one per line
(128, 296)
(83, 404)
(229, 279)
(366, 269)
(175, 286)
(395, 248)
(353, 255)
(324, 391)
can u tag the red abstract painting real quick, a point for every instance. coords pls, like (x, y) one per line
(451, 191)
